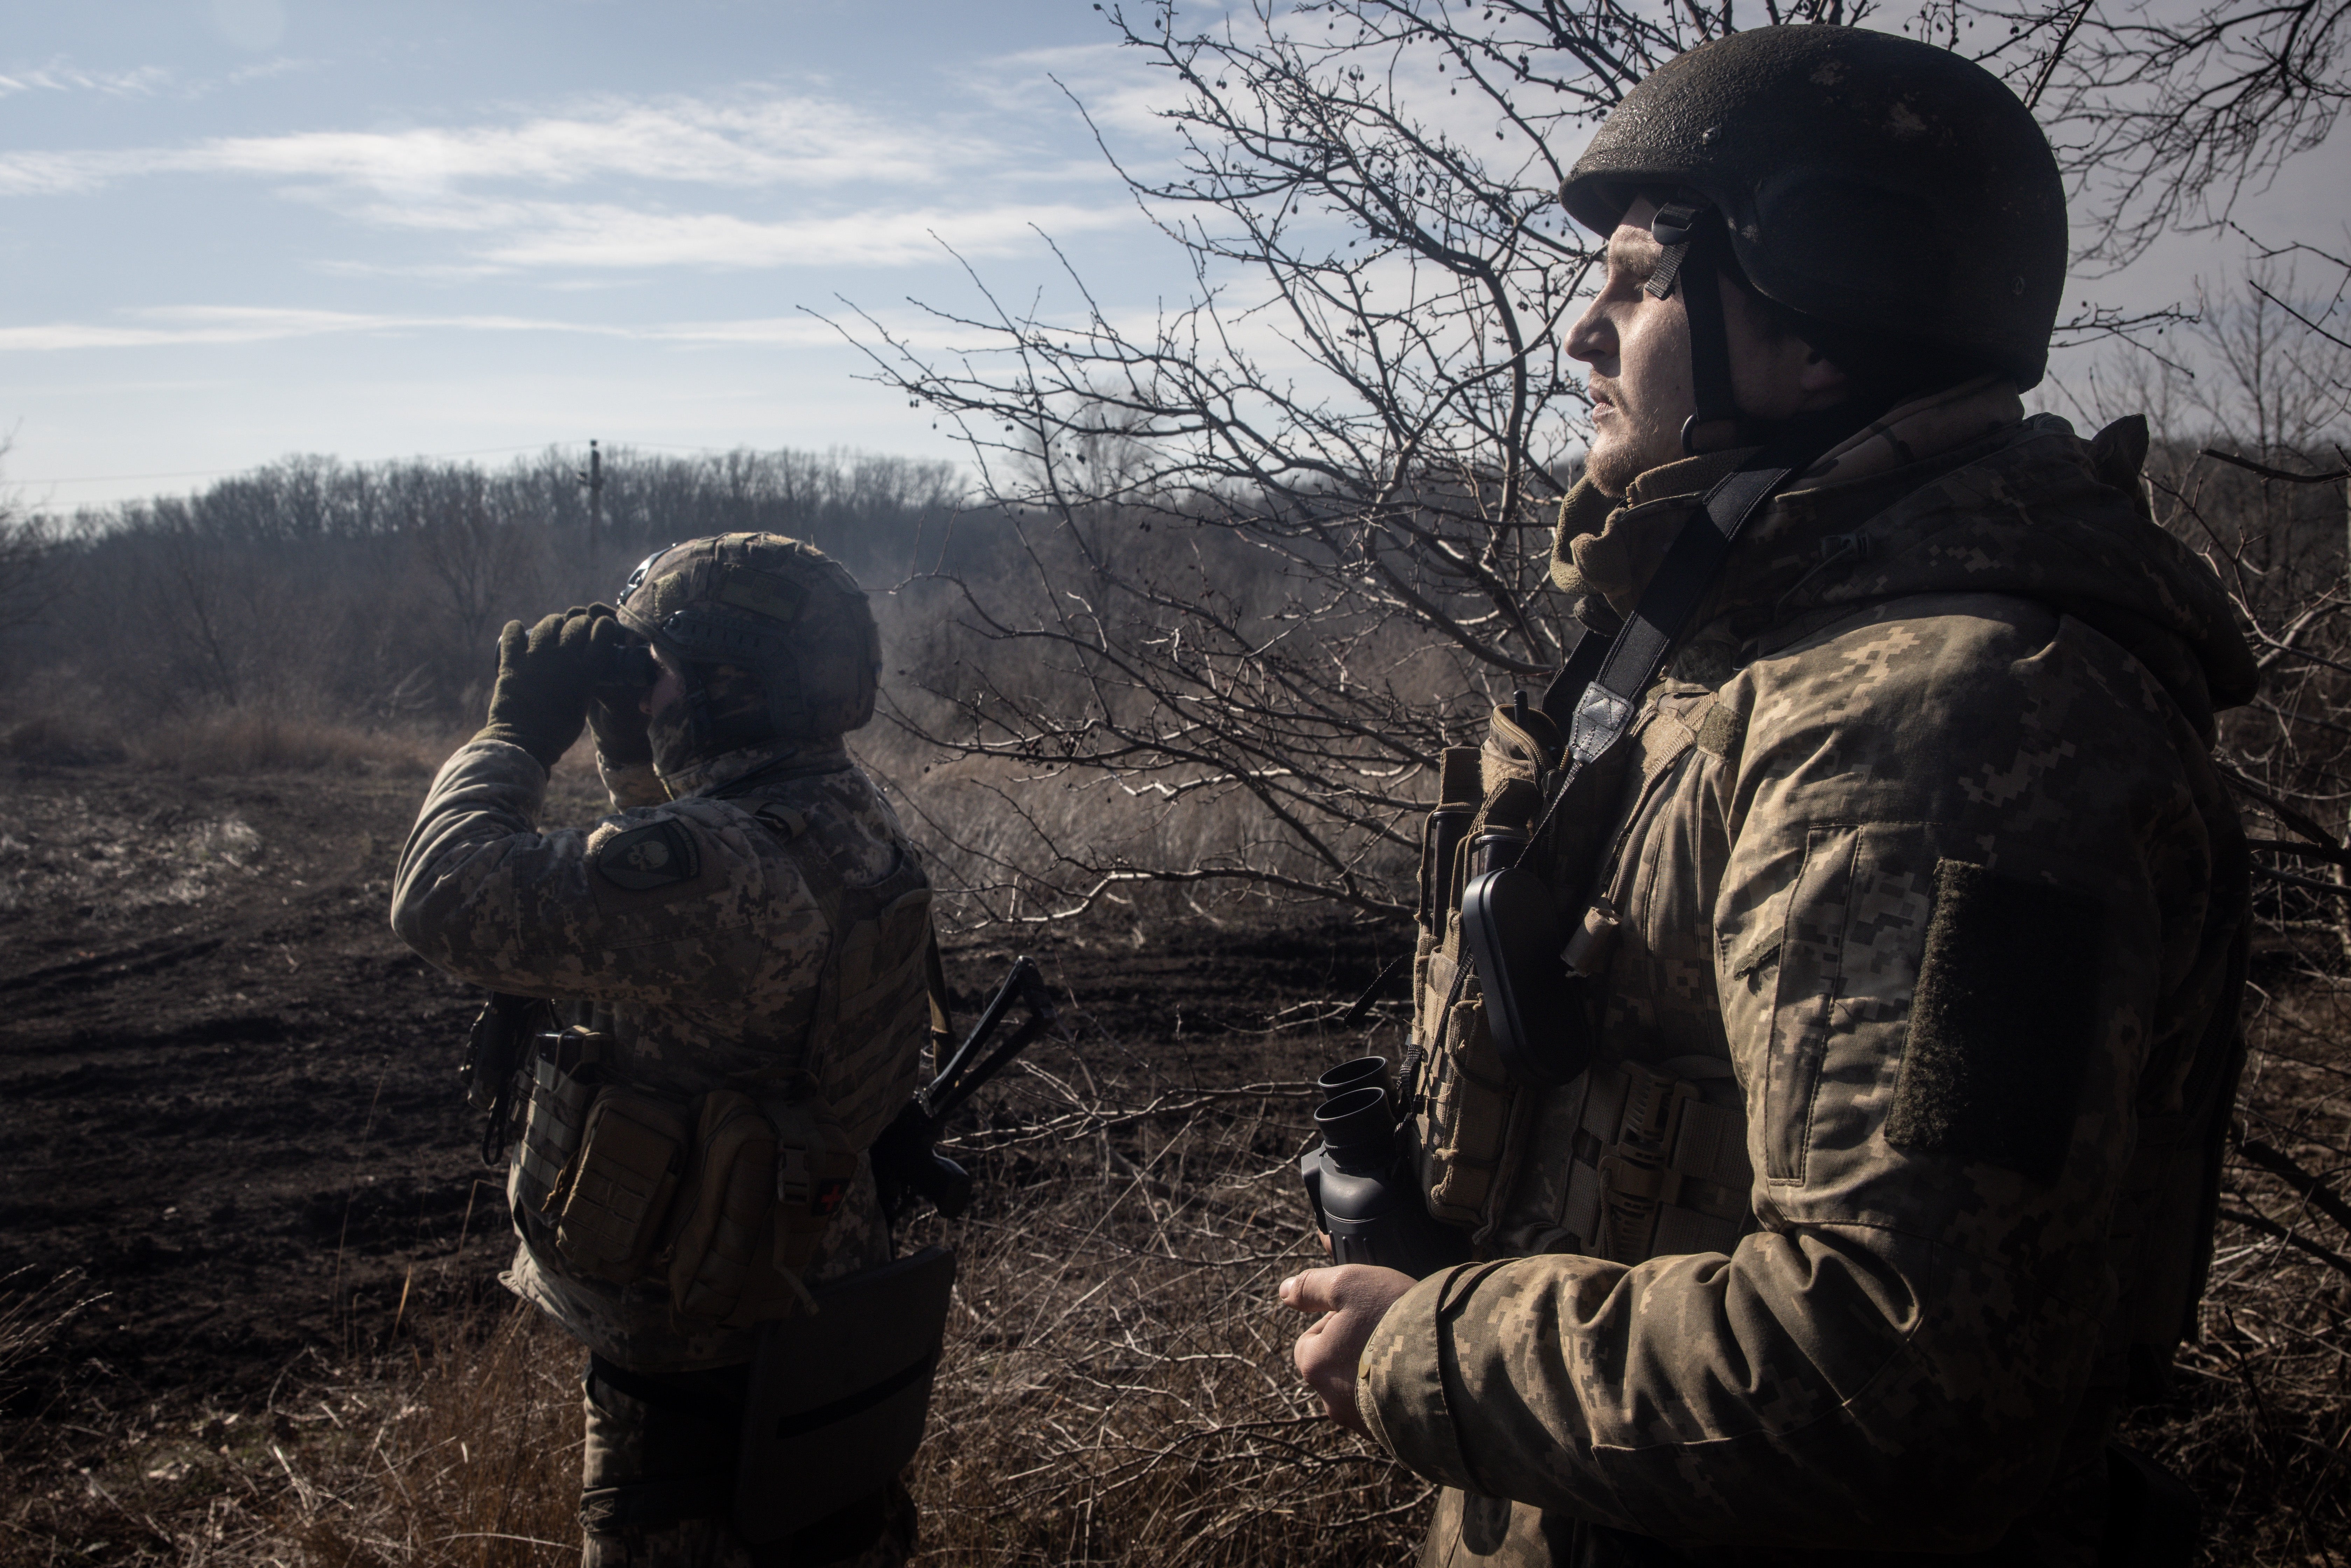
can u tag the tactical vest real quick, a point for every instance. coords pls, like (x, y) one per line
(1656, 1169)
(727, 1196)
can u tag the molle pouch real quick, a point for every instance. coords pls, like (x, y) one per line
(563, 1077)
(815, 1163)
(722, 1253)
(1521, 742)
(1466, 1117)
(632, 1157)
(1457, 792)
(1656, 1170)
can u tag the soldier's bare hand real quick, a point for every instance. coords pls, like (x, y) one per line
(1353, 1299)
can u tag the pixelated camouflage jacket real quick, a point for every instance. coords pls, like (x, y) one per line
(1920, 839)
(703, 983)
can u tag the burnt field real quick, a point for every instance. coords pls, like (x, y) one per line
(236, 1145)
(229, 1099)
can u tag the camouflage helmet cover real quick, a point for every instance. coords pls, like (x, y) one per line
(777, 606)
(1867, 181)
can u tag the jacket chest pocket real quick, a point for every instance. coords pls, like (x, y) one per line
(1843, 962)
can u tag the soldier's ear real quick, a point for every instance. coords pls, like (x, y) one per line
(1820, 375)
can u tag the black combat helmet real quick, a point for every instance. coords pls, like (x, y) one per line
(1880, 185)
(774, 637)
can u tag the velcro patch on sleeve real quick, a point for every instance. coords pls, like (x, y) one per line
(1720, 731)
(2002, 1022)
(642, 859)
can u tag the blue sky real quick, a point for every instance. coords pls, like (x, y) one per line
(239, 228)
(235, 229)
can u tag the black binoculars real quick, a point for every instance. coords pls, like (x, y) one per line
(627, 667)
(1360, 1182)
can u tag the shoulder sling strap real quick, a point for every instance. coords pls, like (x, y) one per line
(1510, 927)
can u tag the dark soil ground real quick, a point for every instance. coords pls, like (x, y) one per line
(229, 1094)
(229, 1111)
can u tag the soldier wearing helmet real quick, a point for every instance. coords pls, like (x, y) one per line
(732, 973)
(1858, 1166)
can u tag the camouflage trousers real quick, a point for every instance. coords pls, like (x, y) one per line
(658, 1481)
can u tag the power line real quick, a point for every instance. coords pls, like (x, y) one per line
(114, 478)
(253, 467)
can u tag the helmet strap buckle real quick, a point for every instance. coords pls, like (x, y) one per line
(1701, 434)
(1672, 228)
(1717, 423)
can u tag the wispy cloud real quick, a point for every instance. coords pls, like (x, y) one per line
(62, 76)
(774, 141)
(144, 82)
(215, 324)
(678, 182)
(528, 235)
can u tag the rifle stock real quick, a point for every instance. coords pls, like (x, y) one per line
(906, 1164)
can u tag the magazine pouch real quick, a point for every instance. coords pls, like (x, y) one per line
(632, 1157)
(1466, 1109)
(722, 1262)
(564, 1079)
(1473, 1092)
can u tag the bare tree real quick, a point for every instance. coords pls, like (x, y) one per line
(2166, 121)
(481, 559)
(1367, 394)
(27, 557)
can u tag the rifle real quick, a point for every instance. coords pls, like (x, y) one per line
(906, 1163)
(494, 1051)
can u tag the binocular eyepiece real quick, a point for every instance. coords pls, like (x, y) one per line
(1360, 1182)
(626, 667)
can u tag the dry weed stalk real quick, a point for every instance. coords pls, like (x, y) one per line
(2260, 1423)
(470, 1460)
(77, 726)
(1116, 1387)
(31, 1314)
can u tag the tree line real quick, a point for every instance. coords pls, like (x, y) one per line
(374, 592)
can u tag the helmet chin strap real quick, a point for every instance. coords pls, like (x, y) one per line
(1690, 236)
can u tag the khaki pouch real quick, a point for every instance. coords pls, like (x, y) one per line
(723, 1256)
(815, 1163)
(632, 1156)
(1466, 1126)
(562, 1084)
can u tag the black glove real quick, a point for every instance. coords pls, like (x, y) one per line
(545, 676)
(616, 711)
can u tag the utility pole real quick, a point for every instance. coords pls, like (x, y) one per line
(594, 479)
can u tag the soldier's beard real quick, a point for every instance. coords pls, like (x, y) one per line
(1628, 443)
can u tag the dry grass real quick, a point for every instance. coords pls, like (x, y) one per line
(217, 743)
(2261, 1424)
(245, 741)
(458, 1448)
(1116, 1390)
(31, 1311)
(1013, 842)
